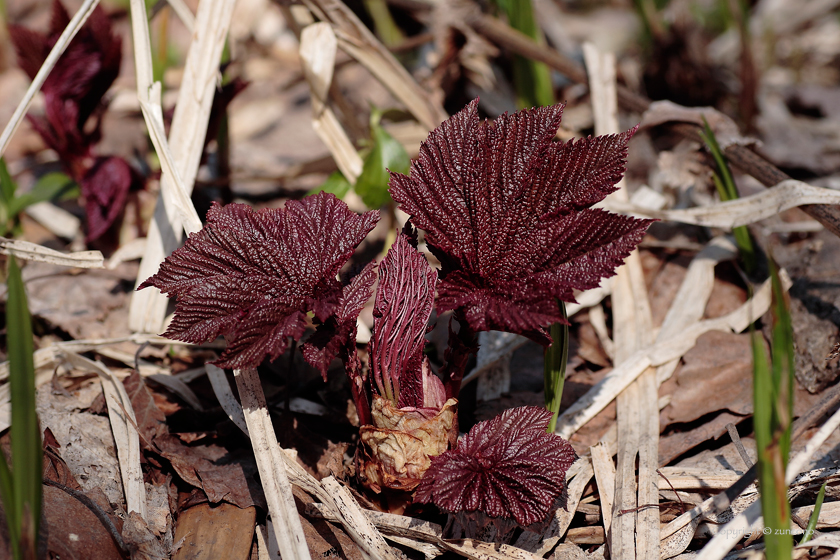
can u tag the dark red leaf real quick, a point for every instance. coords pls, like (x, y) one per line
(74, 89)
(253, 275)
(505, 210)
(339, 331)
(72, 95)
(105, 187)
(507, 467)
(32, 49)
(401, 313)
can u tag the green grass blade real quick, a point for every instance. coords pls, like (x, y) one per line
(744, 242)
(27, 453)
(335, 184)
(554, 369)
(531, 79)
(9, 508)
(815, 516)
(51, 186)
(7, 185)
(7, 195)
(720, 160)
(386, 153)
(773, 410)
(783, 362)
(383, 22)
(727, 190)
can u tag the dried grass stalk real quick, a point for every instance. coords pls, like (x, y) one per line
(356, 40)
(633, 535)
(123, 425)
(604, 468)
(318, 46)
(338, 504)
(57, 220)
(186, 138)
(34, 252)
(275, 483)
(750, 519)
(603, 392)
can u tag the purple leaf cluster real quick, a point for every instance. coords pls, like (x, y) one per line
(252, 276)
(507, 467)
(506, 210)
(73, 96)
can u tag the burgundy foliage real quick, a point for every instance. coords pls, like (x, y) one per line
(507, 212)
(507, 467)
(339, 330)
(336, 337)
(73, 95)
(253, 275)
(401, 313)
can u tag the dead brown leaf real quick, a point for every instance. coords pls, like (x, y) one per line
(211, 532)
(676, 444)
(151, 422)
(665, 286)
(92, 304)
(87, 443)
(142, 542)
(726, 297)
(716, 375)
(73, 531)
(222, 475)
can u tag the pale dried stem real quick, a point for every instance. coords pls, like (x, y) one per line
(742, 211)
(633, 535)
(750, 519)
(124, 427)
(38, 253)
(184, 13)
(278, 491)
(318, 46)
(356, 40)
(659, 353)
(338, 501)
(604, 468)
(186, 139)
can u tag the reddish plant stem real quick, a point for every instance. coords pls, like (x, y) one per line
(359, 384)
(461, 345)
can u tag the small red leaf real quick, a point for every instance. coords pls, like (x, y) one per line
(507, 467)
(105, 187)
(73, 94)
(339, 331)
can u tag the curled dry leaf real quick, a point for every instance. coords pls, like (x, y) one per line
(396, 450)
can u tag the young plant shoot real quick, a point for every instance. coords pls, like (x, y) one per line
(73, 95)
(507, 212)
